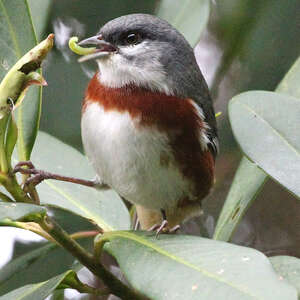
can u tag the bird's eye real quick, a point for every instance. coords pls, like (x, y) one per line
(132, 38)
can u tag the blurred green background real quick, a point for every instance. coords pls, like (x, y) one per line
(246, 45)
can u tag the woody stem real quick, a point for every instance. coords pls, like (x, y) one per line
(116, 287)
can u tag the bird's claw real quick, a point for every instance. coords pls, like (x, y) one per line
(163, 228)
(38, 175)
(19, 167)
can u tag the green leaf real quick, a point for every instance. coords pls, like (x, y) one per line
(105, 208)
(288, 268)
(188, 16)
(40, 10)
(266, 125)
(18, 37)
(20, 211)
(249, 179)
(201, 268)
(23, 262)
(37, 291)
(70, 222)
(26, 268)
(17, 33)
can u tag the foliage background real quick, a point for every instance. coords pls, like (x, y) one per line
(247, 45)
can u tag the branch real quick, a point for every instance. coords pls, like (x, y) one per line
(116, 287)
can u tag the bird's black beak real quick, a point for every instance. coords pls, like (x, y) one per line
(103, 48)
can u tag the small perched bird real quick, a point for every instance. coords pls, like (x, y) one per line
(148, 125)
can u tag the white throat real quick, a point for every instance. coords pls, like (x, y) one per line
(118, 70)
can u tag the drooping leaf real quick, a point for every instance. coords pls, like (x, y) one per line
(37, 291)
(249, 179)
(26, 267)
(288, 267)
(201, 268)
(20, 211)
(23, 262)
(105, 208)
(188, 16)
(270, 139)
(37, 265)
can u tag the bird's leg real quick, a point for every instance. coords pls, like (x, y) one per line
(39, 175)
(163, 227)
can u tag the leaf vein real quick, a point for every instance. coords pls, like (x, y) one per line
(124, 234)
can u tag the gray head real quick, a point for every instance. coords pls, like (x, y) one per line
(148, 52)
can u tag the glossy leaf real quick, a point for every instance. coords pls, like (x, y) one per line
(20, 211)
(188, 16)
(18, 37)
(249, 179)
(105, 208)
(288, 268)
(201, 268)
(37, 291)
(270, 139)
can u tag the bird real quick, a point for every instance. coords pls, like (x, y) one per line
(148, 124)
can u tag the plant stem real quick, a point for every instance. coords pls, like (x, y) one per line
(116, 287)
(74, 282)
(3, 160)
(12, 186)
(83, 234)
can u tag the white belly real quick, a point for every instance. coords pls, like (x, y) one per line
(129, 159)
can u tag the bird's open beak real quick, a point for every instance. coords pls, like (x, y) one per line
(103, 48)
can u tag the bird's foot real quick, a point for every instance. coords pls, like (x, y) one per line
(163, 228)
(35, 176)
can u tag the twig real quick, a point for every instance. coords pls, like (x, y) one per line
(83, 234)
